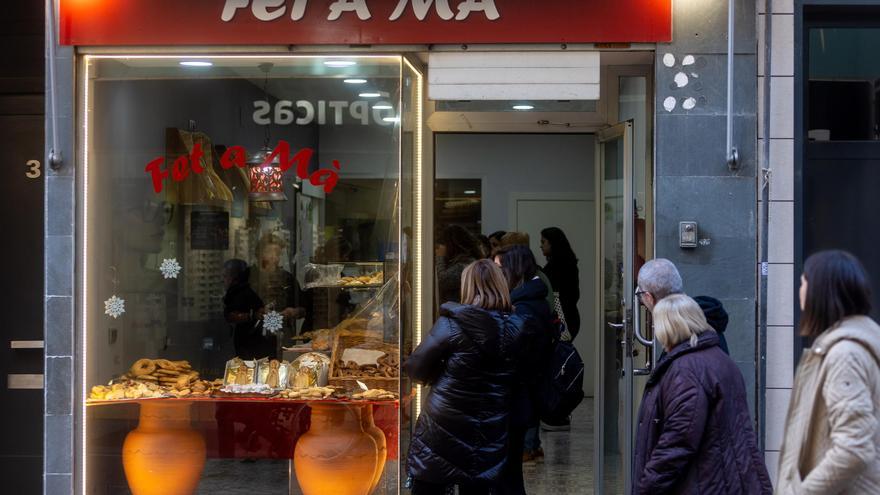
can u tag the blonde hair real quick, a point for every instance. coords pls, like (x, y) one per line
(483, 285)
(677, 318)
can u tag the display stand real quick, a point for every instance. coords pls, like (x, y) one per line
(340, 450)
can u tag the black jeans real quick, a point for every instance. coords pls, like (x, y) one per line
(425, 488)
(511, 482)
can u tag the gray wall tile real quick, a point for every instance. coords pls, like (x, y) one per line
(781, 234)
(59, 326)
(778, 6)
(777, 406)
(782, 49)
(59, 265)
(58, 484)
(724, 206)
(701, 27)
(740, 332)
(695, 145)
(59, 444)
(707, 83)
(771, 459)
(780, 357)
(59, 385)
(780, 295)
(59, 205)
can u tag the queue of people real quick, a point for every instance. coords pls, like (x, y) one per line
(695, 433)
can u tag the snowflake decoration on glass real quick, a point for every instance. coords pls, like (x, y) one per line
(114, 307)
(273, 321)
(170, 268)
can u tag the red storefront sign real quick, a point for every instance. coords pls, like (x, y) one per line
(356, 22)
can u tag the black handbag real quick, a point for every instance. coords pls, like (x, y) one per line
(563, 387)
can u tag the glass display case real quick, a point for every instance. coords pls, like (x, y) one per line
(247, 287)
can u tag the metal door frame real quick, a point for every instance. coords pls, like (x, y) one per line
(622, 130)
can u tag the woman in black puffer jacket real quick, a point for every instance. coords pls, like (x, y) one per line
(529, 298)
(461, 436)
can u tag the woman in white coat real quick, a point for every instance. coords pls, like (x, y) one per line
(832, 432)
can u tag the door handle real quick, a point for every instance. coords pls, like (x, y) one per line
(615, 326)
(18, 381)
(26, 344)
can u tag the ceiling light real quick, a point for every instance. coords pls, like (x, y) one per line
(523, 107)
(354, 81)
(470, 191)
(370, 94)
(339, 63)
(382, 106)
(196, 63)
(391, 119)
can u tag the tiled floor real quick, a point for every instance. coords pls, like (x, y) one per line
(566, 470)
(568, 465)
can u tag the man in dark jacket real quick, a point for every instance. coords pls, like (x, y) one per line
(659, 278)
(695, 434)
(462, 434)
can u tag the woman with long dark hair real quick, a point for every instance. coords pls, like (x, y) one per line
(832, 432)
(462, 434)
(456, 248)
(529, 297)
(562, 270)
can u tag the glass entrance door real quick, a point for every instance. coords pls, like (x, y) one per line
(614, 404)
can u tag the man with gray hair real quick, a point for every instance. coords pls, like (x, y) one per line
(659, 278)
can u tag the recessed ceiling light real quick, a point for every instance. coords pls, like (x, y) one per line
(523, 107)
(339, 63)
(382, 106)
(196, 63)
(354, 81)
(470, 191)
(370, 94)
(391, 119)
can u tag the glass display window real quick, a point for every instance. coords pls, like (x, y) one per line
(248, 284)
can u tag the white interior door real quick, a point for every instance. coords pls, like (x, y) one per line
(575, 215)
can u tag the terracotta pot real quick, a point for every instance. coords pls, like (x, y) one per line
(163, 455)
(336, 455)
(379, 436)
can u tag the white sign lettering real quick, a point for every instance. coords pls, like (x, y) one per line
(421, 7)
(302, 112)
(486, 6)
(270, 10)
(340, 6)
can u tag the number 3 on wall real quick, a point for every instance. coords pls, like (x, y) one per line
(34, 171)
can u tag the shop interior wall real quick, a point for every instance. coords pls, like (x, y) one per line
(693, 181)
(540, 165)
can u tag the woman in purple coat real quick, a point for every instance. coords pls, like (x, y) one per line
(695, 434)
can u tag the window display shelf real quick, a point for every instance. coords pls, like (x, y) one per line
(247, 399)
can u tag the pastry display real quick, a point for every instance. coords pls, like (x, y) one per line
(178, 374)
(243, 372)
(247, 388)
(375, 278)
(154, 378)
(374, 394)
(359, 362)
(273, 373)
(310, 370)
(308, 393)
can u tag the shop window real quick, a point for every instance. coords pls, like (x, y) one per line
(843, 90)
(247, 240)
